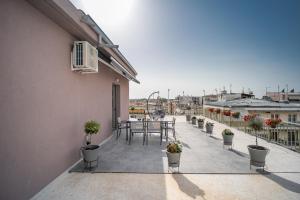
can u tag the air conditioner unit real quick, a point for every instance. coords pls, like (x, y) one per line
(84, 57)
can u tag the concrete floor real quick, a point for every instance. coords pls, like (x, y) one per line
(282, 181)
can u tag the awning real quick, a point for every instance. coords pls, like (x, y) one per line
(118, 68)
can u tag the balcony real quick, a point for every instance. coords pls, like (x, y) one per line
(208, 170)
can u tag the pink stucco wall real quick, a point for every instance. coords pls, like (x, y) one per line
(43, 105)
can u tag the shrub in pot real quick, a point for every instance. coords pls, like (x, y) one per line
(174, 150)
(236, 115)
(209, 127)
(272, 122)
(194, 120)
(227, 137)
(257, 153)
(90, 152)
(200, 123)
(227, 113)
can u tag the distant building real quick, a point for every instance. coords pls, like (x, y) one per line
(288, 112)
(224, 96)
(283, 96)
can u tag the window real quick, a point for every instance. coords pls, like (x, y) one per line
(274, 116)
(292, 118)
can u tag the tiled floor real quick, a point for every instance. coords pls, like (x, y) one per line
(202, 154)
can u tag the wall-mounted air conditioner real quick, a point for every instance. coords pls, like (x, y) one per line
(84, 57)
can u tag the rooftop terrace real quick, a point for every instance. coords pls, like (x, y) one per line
(207, 171)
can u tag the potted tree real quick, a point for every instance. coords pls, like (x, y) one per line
(90, 151)
(174, 150)
(200, 123)
(257, 153)
(227, 137)
(209, 127)
(194, 120)
(188, 114)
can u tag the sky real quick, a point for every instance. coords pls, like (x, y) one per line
(194, 45)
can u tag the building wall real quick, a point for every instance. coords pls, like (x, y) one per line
(43, 104)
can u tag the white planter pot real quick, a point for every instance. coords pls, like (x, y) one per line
(90, 154)
(188, 118)
(200, 125)
(209, 129)
(257, 155)
(194, 121)
(227, 139)
(173, 159)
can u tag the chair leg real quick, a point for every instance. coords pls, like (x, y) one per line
(130, 133)
(117, 134)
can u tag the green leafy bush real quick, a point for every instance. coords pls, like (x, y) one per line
(91, 127)
(256, 124)
(174, 147)
(200, 120)
(227, 132)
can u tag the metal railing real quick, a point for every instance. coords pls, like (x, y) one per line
(286, 134)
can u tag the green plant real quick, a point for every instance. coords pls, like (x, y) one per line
(132, 108)
(91, 127)
(209, 124)
(200, 120)
(256, 124)
(227, 132)
(236, 115)
(174, 147)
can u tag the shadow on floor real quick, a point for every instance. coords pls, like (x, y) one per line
(185, 145)
(239, 153)
(283, 182)
(215, 138)
(188, 187)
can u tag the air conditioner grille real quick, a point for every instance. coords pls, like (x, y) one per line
(79, 54)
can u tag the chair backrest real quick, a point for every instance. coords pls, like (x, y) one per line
(154, 125)
(137, 125)
(119, 120)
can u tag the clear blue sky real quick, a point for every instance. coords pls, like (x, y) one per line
(191, 45)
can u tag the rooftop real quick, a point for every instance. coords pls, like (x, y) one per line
(253, 103)
(207, 171)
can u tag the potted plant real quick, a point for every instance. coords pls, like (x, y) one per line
(188, 115)
(200, 123)
(257, 153)
(227, 113)
(227, 137)
(194, 120)
(236, 115)
(272, 122)
(174, 150)
(90, 151)
(209, 127)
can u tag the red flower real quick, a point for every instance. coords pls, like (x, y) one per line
(227, 112)
(272, 122)
(211, 110)
(249, 117)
